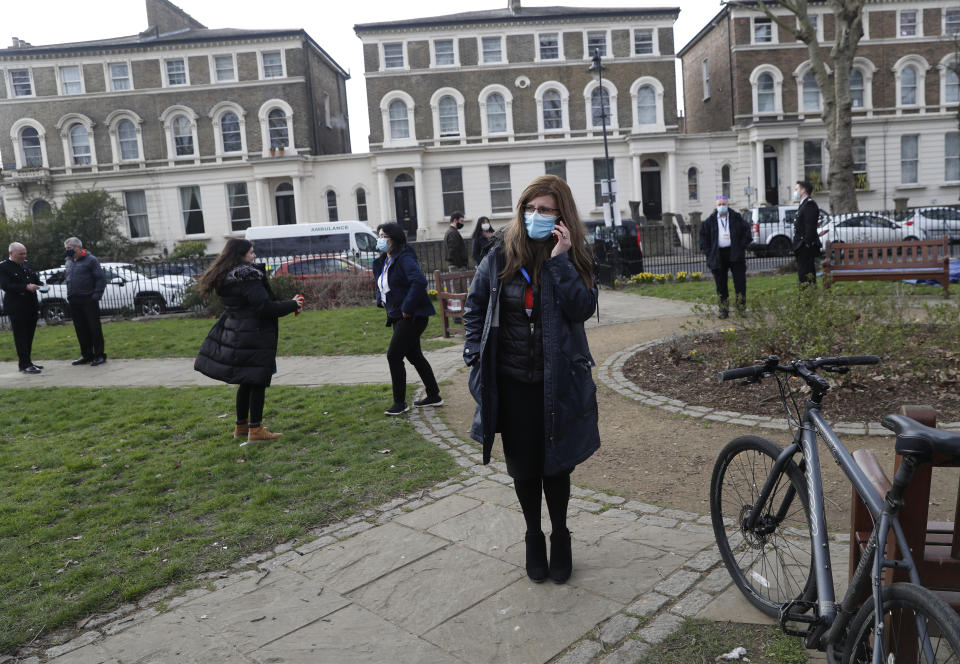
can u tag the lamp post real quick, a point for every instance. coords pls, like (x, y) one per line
(597, 66)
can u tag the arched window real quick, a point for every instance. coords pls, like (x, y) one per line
(32, 150)
(361, 204)
(230, 132)
(646, 105)
(908, 86)
(277, 126)
(332, 214)
(448, 116)
(693, 188)
(725, 180)
(856, 88)
(599, 107)
(127, 140)
(399, 122)
(496, 113)
(183, 136)
(79, 145)
(811, 92)
(766, 94)
(552, 110)
(40, 208)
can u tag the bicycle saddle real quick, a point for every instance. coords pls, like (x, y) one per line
(916, 439)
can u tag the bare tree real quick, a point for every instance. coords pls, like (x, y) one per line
(834, 83)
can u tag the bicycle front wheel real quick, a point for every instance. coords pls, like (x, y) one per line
(771, 561)
(903, 604)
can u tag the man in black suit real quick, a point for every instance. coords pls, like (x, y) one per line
(806, 241)
(724, 238)
(20, 283)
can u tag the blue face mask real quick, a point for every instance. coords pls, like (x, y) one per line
(721, 209)
(69, 253)
(539, 226)
(382, 244)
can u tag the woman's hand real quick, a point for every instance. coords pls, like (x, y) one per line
(562, 235)
(300, 300)
(404, 314)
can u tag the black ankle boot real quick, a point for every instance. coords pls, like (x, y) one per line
(561, 557)
(536, 556)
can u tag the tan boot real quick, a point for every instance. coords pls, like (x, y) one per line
(241, 430)
(258, 433)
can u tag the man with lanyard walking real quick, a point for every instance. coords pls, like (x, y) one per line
(724, 238)
(806, 241)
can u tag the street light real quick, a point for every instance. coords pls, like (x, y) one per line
(597, 66)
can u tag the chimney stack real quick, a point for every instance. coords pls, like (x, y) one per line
(16, 42)
(514, 6)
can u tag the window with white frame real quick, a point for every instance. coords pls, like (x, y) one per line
(492, 49)
(176, 72)
(71, 80)
(813, 162)
(230, 134)
(361, 196)
(119, 76)
(191, 210)
(811, 92)
(393, 55)
(31, 147)
(496, 113)
(706, 78)
(399, 121)
(127, 140)
(448, 115)
(79, 145)
(596, 41)
(451, 190)
(859, 148)
(21, 82)
(272, 62)
(238, 204)
(600, 173)
(908, 23)
(443, 53)
(552, 110)
(725, 180)
(332, 214)
(224, 68)
(856, 88)
(951, 84)
(766, 94)
(599, 107)
(646, 105)
(951, 21)
(278, 128)
(137, 222)
(909, 155)
(501, 198)
(908, 86)
(762, 30)
(549, 45)
(693, 184)
(951, 164)
(643, 41)
(183, 136)
(556, 167)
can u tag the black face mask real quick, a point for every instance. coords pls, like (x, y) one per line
(69, 253)
(459, 225)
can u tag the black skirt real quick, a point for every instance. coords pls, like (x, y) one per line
(520, 423)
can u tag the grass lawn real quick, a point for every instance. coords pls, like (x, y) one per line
(703, 641)
(107, 494)
(355, 331)
(696, 291)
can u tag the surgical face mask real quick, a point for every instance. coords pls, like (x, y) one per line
(539, 226)
(721, 209)
(486, 227)
(796, 195)
(382, 244)
(69, 253)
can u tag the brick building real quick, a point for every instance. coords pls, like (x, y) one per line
(466, 109)
(748, 84)
(198, 132)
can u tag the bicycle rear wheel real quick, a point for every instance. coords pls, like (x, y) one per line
(902, 604)
(771, 562)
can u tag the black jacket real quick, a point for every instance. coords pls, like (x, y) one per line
(805, 226)
(455, 248)
(14, 278)
(481, 245)
(520, 350)
(241, 347)
(740, 238)
(85, 276)
(569, 393)
(408, 286)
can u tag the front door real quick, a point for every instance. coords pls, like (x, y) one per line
(650, 190)
(286, 211)
(771, 178)
(405, 200)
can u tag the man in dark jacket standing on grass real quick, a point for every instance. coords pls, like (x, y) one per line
(453, 244)
(724, 238)
(20, 282)
(806, 241)
(85, 285)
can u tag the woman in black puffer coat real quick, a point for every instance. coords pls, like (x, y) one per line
(241, 348)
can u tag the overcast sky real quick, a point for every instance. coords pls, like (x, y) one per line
(327, 21)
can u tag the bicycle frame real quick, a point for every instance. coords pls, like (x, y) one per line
(874, 559)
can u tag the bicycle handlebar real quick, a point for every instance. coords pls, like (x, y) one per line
(803, 368)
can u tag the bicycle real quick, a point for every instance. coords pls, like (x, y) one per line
(769, 519)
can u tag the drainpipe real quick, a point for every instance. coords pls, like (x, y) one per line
(730, 69)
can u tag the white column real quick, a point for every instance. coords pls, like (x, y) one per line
(384, 189)
(790, 155)
(423, 226)
(299, 206)
(263, 203)
(637, 192)
(672, 182)
(759, 179)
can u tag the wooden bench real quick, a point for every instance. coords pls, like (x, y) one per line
(452, 288)
(871, 261)
(934, 545)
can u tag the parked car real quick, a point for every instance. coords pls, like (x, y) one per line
(934, 221)
(856, 227)
(627, 239)
(126, 288)
(329, 272)
(772, 228)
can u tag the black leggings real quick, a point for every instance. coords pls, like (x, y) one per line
(250, 403)
(405, 343)
(557, 491)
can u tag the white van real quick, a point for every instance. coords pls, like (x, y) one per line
(337, 237)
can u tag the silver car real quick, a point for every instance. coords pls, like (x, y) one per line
(867, 227)
(934, 221)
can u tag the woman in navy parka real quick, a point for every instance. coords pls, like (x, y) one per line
(530, 364)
